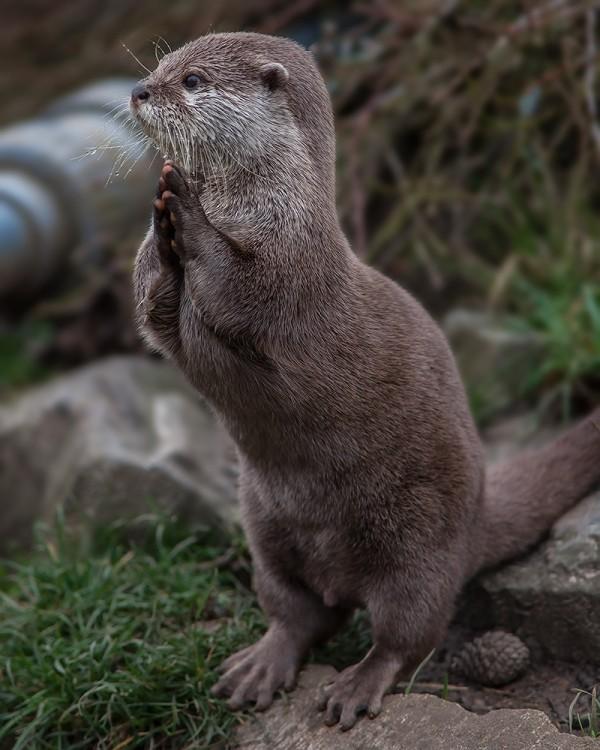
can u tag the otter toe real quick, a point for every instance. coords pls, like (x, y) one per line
(357, 691)
(255, 674)
(174, 180)
(173, 211)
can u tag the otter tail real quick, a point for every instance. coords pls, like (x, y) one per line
(526, 494)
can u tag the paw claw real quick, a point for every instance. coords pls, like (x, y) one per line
(234, 704)
(334, 711)
(323, 698)
(263, 702)
(289, 681)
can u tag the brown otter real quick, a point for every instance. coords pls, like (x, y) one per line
(362, 475)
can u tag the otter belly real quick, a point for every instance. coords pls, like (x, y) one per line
(328, 567)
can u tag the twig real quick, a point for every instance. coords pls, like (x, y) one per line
(432, 686)
(218, 562)
(589, 81)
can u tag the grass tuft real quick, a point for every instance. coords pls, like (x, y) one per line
(104, 643)
(588, 722)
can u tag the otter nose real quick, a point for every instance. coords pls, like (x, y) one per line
(139, 93)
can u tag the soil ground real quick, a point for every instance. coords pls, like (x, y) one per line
(548, 686)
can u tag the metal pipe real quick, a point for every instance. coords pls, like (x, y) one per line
(60, 186)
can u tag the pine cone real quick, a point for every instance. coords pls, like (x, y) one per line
(496, 658)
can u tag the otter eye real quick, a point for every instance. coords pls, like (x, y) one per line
(192, 81)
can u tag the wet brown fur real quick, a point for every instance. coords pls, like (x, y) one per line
(362, 476)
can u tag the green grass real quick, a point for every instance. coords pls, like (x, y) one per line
(19, 361)
(569, 323)
(102, 643)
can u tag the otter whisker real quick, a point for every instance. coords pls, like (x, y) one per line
(186, 145)
(170, 144)
(162, 39)
(118, 110)
(198, 138)
(159, 48)
(141, 153)
(133, 151)
(138, 61)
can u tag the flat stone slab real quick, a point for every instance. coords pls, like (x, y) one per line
(414, 722)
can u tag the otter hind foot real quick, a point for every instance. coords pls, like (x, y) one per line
(358, 690)
(254, 674)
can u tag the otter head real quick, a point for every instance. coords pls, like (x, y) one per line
(238, 99)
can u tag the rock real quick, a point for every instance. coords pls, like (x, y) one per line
(495, 658)
(495, 361)
(513, 434)
(414, 722)
(113, 440)
(552, 595)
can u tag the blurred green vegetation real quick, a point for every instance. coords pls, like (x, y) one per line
(19, 349)
(469, 147)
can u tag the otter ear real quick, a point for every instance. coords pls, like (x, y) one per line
(274, 75)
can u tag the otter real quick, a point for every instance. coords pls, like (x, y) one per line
(362, 477)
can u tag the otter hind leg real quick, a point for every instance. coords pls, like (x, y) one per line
(360, 689)
(409, 618)
(298, 620)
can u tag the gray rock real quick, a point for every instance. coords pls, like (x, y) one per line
(551, 596)
(495, 360)
(113, 440)
(414, 722)
(511, 435)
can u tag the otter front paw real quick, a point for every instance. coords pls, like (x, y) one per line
(164, 229)
(190, 231)
(182, 211)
